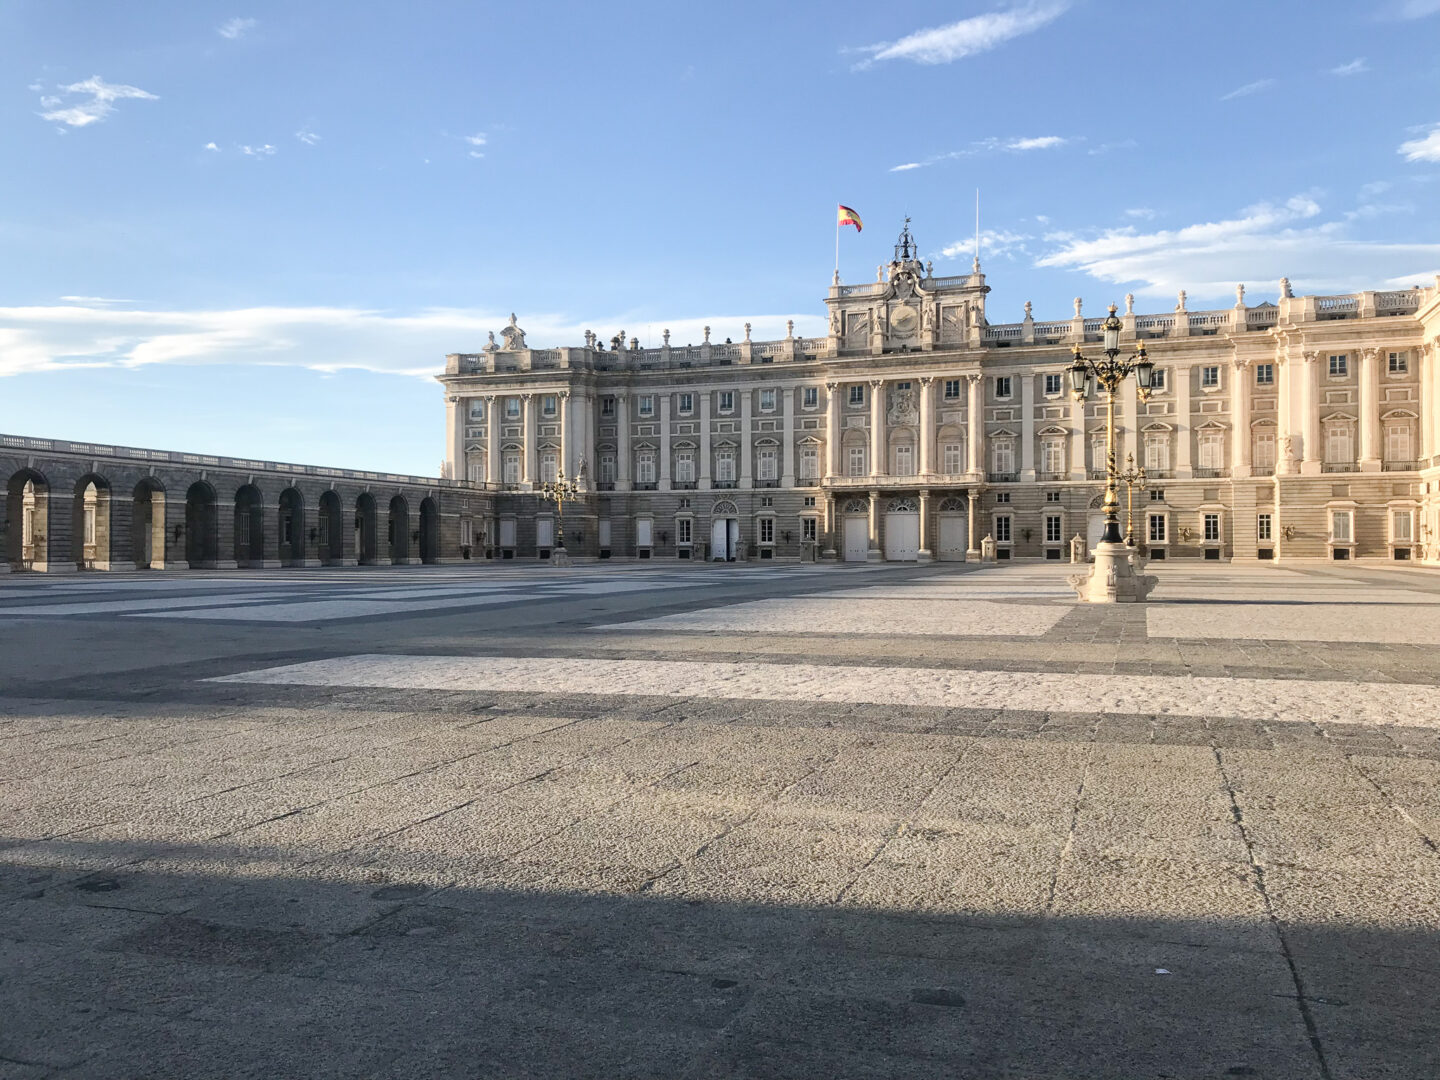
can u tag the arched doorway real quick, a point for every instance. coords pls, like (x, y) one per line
(202, 527)
(398, 531)
(332, 534)
(902, 530)
(292, 528)
(953, 531)
(365, 529)
(429, 531)
(147, 526)
(857, 530)
(27, 509)
(724, 532)
(90, 523)
(249, 527)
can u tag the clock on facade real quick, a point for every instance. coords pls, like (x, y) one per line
(904, 322)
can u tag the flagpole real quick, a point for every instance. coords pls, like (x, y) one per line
(837, 242)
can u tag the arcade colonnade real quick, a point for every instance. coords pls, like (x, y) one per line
(78, 506)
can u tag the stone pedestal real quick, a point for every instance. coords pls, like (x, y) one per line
(559, 557)
(924, 556)
(1113, 580)
(1078, 554)
(987, 549)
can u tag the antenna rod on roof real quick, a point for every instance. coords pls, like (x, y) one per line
(977, 228)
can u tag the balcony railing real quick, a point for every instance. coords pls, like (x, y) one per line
(1003, 478)
(682, 485)
(1052, 476)
(648, 486)
(1263, 470)
(1337, 466)
(605, 485)
(1400, 466)
(724, 485)
(1098, 474)
(767, 483)
(1211, 474)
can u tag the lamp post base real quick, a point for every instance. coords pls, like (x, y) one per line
(1113, 580)
(559, 557)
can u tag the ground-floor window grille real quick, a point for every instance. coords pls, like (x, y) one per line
(682, 530)
(808, 529)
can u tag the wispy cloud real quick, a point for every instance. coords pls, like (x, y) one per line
(235, 28)
(1248, 89)
(1416, 9)
(1262, 243)
(1357, 66)
(265, 150)
(968, 37)
(1143, 213)
(1425, 148)
(94, 300)
(992, 145)
(1001, 243)
(61, 108)
(308, 137)
(476, 141)
(1105, 148)
(95, 335)
(212, 147)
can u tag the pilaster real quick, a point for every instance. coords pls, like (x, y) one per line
(878, 464)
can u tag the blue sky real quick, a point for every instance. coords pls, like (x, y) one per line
(254, 228)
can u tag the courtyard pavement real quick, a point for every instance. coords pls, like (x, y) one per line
(691, 822)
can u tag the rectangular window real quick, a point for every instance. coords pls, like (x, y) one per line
(902, 386)
(1004, 455)
(809, 462)
(1265, 450)
(1339, 366)
(808, 529)
(952, 389)
(512, 466)
(1263, 529)
(1002, 497)
(1397, 442)
(477, 408)
(607, 405)
(1400, 521)
(1002, 529)
(727, 401)
(1264, 374)
(687, 404)
(684, 466)
(607, 468)
(857, 395)
(856, 459)
(547, 405)
(767, 400)
(1157, 494)
(1338, 446)
(1210, 376)
(647, 404)
(1052, 384)
(682, 531)
(1157, 528)
(1157, 380)
(1212, 526)
(725, 466)
(810, 397)
(767, 530)
(1052, 496)
(1002, 386)
(548, 466)
(1052, 454)
(809, 500)
(1340, 526)
(512, 408)
(1399, 363)
(766, 463)
(952, 458)
(645, 467)
(1157, 453)
(904, 461)
(1212, 446)
(1052, 528)
(467, 532)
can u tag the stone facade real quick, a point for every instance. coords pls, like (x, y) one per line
(917, 428)
(78, 506)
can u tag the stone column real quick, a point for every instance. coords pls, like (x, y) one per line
(1027, 425)
(1370, 449)
(1183, 435)
(564, 466)
(925, 553)
(663, 476)
(829, 551)
(1426, 366)
(704, 482)
(1077, 440)
(874, 554)
(972, 553)
(1129, 421)
(975, 426)
(1310, 416)
(878, 465)
(747, 439)
(456, 411)
(787, 436)
(1284, 433)
(1240, 419)
(927, 436)
(493, 465)
(622, 442)
(528, 471)
(832, 430)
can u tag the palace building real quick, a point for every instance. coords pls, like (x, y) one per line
(917, 428)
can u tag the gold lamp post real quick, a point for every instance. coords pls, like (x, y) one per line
(560, 491)
(1113, 579)
(1132, 478)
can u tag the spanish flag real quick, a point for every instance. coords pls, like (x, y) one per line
(848, 217)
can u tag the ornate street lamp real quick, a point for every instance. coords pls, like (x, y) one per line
(1113, 579)
(1132, 478)
(559, 491)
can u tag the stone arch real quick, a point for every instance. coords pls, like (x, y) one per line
(249, 526)
(202, 526)
(291, 528)
(857, 506)
(952, 506)
(365, 535)
(90, 523)
(429, 531)
(331, 530)
(724, 508)
(27, 509)
(147, 525)
(904, 505)
(398, 530)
